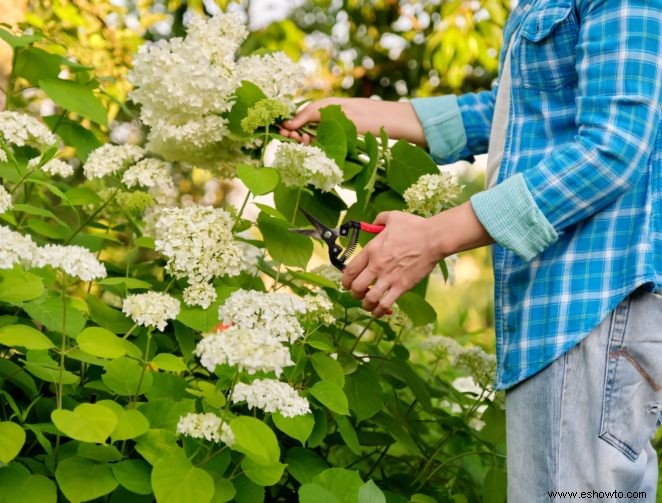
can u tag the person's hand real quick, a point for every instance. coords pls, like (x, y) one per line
(406, 251)
(395, 261)
(369, 115)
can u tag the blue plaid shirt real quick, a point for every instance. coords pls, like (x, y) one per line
(577, 210)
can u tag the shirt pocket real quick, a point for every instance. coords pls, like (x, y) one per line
(547, 51)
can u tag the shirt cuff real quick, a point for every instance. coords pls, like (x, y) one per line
(442, 123)
(511, 216)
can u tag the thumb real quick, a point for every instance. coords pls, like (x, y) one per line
(308, 114)
(382, 218)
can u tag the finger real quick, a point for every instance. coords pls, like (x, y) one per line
(354, 268)
(300, 119)
(306, 139)
(371, 299)
(386, 302)
(382, 218)
(362, 283)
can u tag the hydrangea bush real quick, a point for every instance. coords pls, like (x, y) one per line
(157, 348)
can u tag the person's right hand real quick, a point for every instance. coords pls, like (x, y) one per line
(398, 118)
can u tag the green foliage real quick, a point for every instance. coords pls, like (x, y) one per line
(91, 401)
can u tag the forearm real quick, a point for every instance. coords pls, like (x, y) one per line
(457, 229)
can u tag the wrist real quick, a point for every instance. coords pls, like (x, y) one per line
(456, 230)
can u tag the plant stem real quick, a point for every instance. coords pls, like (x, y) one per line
(358, 339)
(135, 325)
(63, 349)
(144, 369)
(296, 205)
(18, 184)
(92, 216)
(241, 210)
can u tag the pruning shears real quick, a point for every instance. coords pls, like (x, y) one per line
(349, 230)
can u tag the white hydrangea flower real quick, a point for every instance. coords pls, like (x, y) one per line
(275, 74)
(15, 248)
(319, 307)
(271, 311)
(151, 309)
(198, 242)
(271, 395)
(432, 194)
(154, 175)
(199, 294)
(250, 350)
(54, 167)
(110, 159)
(480, 365)
(208, 426)
(5, 199)
(184, 114)
(21, 129)
(301, 165)
(3, 156)
(249, 258)
(74, 260)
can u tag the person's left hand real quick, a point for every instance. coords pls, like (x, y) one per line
(395, 260)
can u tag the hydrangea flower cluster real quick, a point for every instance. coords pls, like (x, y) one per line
(22, 129)
(279, 313)
(76, 261)
(5, 199)
(199, 294)
(478, 364)
(250, 350)
(15, 248)
(3, 156)
(154, 175)
(151, 309)
(185, 115)
(271, 395)
(208, 426)
(432, 194)
(110, 159)
(199, 245)
(58, 167)
(301, 165)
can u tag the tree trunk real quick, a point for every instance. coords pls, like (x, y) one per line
(11, 12)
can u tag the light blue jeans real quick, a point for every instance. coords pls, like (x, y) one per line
(584, 423)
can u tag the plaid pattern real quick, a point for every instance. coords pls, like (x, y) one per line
(584, 134)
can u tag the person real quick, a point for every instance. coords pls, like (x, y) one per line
(574, 209)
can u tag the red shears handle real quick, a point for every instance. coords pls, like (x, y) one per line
(371, 228)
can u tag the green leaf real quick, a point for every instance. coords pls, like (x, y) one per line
(304, 464)
(417, 308)
(247, 491)
(258, 180)
(16, 375)
(77, 98)
(12, 438)
(331, 396)
(175, 479)
(364, 393)
(89, 422)
(130, 424)
(156, 444)
(84, 480)
(328, 369)
(398, 429)
(19, 286)
(298, 427)
(495, 486)
(100, 342)
(408, 164)
(332, 140)
(247, 94)
(370, 493)
(335, 113)
(48, 229)
(343, 484)
(348, 433)
(81, 196)
(35, 210)
(223, 489)
(255, 439)
(365, 181)
(47, 310)
(171, 363)
(283, 245)
(315, 493)
(103, 453)
(18, 41)
(165, 413)
(264, 475)
(25, 337)
(76, 136)
(108, 317)
(128, 283)
(41, 365)
(17, 485)
(313, 278)
(134, 475)
(123, 376)
(35, 64)
(325, 206)
(403, 372)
